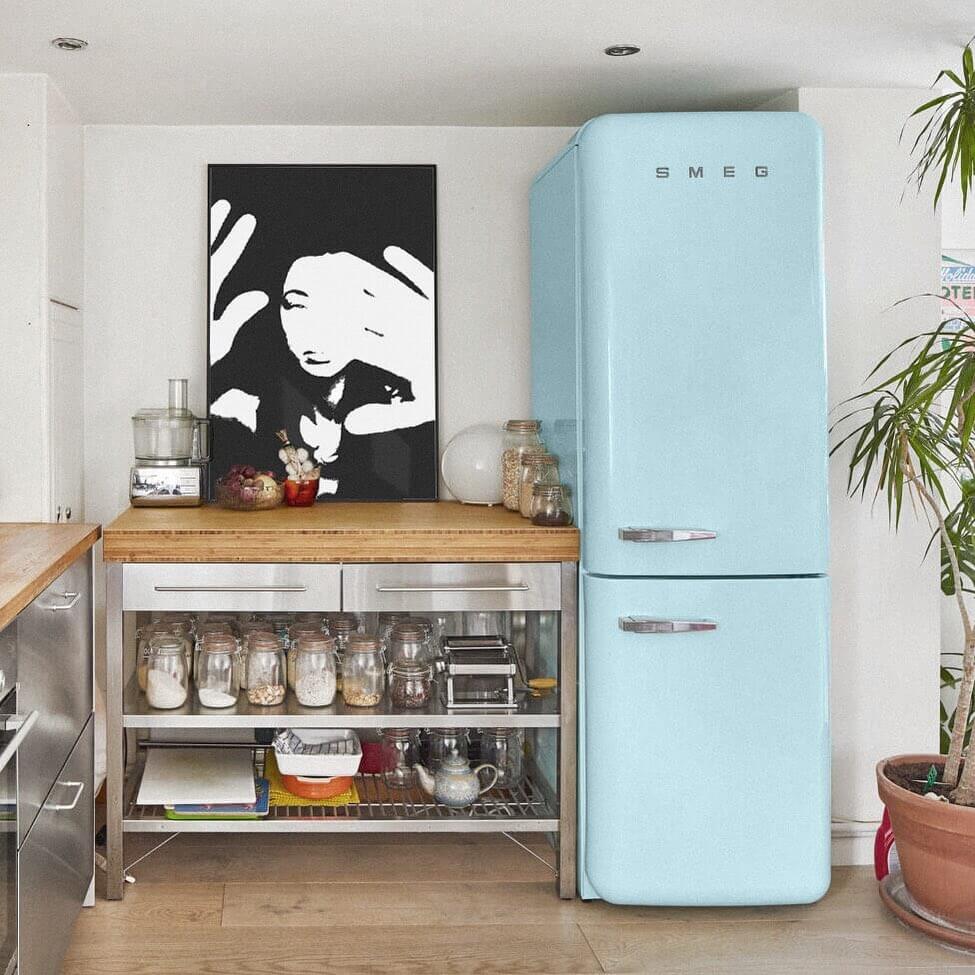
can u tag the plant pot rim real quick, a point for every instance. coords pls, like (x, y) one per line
(912, 798)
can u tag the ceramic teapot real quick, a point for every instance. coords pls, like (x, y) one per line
(455, 784)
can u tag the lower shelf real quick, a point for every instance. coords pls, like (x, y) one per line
(520, 810)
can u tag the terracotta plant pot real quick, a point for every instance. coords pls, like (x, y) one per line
(936, 847)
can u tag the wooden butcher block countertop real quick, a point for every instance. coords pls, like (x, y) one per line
(32, 556)
(440, 531)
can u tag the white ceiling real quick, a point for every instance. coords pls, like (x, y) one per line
(465, 62)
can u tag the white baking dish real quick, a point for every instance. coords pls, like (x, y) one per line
(328, 752)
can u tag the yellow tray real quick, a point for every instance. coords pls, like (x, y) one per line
(280, 796)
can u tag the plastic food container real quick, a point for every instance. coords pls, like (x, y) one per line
(312, 787)
(325, 753)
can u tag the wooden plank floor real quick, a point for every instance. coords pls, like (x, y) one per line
(310, 905)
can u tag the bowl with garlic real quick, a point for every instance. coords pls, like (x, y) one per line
(301, 485)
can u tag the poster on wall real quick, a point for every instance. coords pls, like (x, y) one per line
(323, 321)
(957, 284)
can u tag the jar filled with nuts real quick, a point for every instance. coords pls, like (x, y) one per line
(314, 670)
(519, 436)
(363, 673)
(409, 684)
(266, 669)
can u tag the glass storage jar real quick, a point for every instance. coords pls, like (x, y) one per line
(267, 670)
(400, 756)
(167, 677)
(519, 436)
(536, 468)
(231, 619)
(385, 624)
(504, 748)
(208, 628)
(295, 632)
(443, 741)
(314, 670)
(341, 626)
(550, 506)
(363, 672)
(409, 684)
(279, 623)
(143, 637)
(217, 675)
(409, 641)
(246, 629)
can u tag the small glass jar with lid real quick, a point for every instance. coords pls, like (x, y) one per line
(267, 669)
(217, 677)
(204, 630)
(519, 436)
(363, 671)
(341, 626)
(231, 619)
(385, 624)
(143, 637)
(314, 670)
(400, 756)
(296, 631)
(246, 629)
(537, 467)
(410, 686)
(167, 677)
(550, 506)
(444, 741)
(504, 748)
(409, 641)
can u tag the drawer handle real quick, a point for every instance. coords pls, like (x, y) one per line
(23, 727)
(520, 587)
(72, 598)
(67, 806)
(665, 534)
(650, 624)
(230, 588)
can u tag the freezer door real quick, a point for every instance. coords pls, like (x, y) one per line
(702, 355)
(706, 742)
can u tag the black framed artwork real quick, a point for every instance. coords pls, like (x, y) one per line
(323, 322)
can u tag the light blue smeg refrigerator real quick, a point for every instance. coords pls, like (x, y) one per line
(678, 368)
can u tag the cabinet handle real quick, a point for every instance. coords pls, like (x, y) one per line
(23, 728)
(519, 587)
(72, 598)
(67, 806)
(67, 514)
(665, 534)
(57, 516)
(650, 624)
(230, 588)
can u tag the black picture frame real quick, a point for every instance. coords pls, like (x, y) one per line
(337, 222)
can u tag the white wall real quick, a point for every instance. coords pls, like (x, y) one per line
(145, 197)
(885, 630)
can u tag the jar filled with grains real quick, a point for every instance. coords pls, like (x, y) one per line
(341, 626)
(519, 436)
(267, 669)
(167, 677)
(315, 670)
(363, 673)
(537, 467)
(409, 684)
(296, 631)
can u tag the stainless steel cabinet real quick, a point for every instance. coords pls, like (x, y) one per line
(55, 863)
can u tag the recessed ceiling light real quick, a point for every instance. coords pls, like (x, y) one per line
(621, 50)
(69, 43)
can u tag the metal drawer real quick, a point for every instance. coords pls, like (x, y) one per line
(446, 586)
(55, 864)
(54, 674)
(231, 586)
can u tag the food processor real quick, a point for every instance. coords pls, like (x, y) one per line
(171, 453)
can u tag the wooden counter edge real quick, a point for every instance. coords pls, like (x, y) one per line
(34, 585)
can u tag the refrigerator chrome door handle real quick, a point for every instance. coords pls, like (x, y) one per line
(651, 624)
(665, 534)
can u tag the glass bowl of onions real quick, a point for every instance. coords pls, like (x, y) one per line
(244, 488)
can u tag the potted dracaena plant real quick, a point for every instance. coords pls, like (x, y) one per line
(913, 442)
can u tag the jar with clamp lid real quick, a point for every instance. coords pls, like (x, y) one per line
(296, 631)
(537, 467)
(267, 670)
(504, 748)
(217, 677)
(519, 436)
(400, 756)
(550, 506)
(409, 641)
(341, 626)
(314, 670)
(410, 686)
(363, 671)
(167, 676)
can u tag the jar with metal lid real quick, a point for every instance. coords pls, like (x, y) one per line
(341, 626)
(267, 670)
(444, 741)
(143, 637)
(167, 677)
(538, 467)
(363, 671)
(217, 678)
(400, 756)
(295, 632)
(409, 641)
(314, 670)
(205, 629)
(504, 748)
(184, 626)
(550, 506)
(230, 619)
(409, 684)
(248, 627)
(519, 436)
(385, 624)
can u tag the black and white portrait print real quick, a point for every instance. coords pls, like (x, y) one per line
(322, 306)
